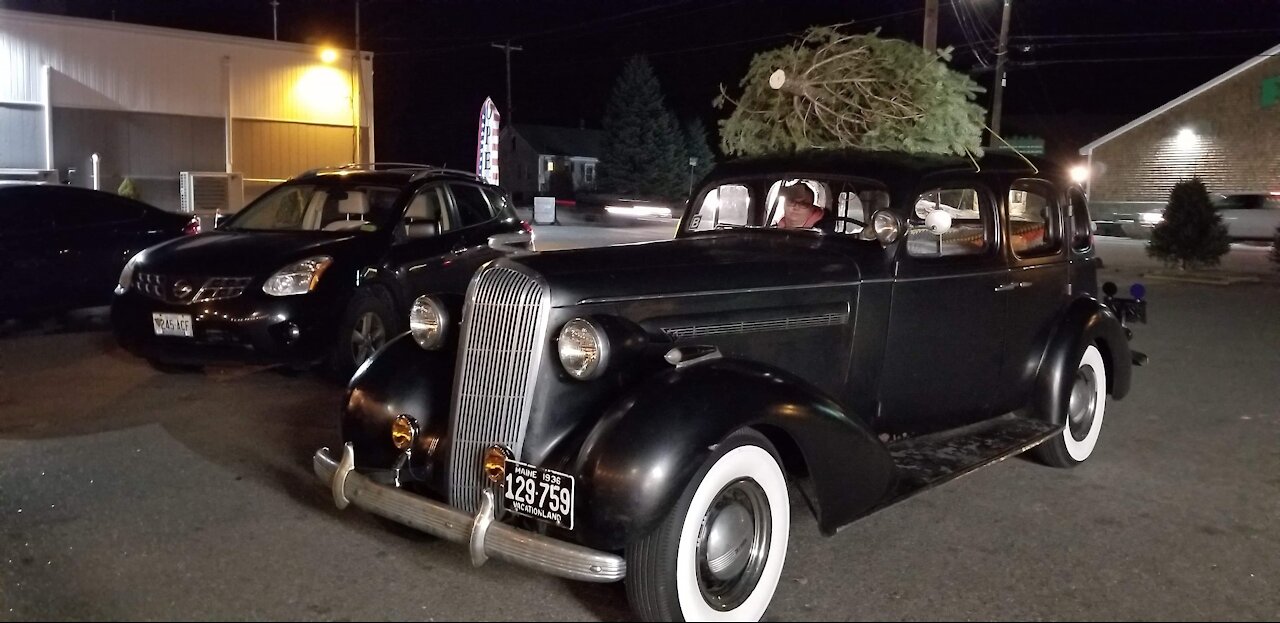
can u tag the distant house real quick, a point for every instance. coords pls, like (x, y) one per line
(548, 160)
(1224, 131)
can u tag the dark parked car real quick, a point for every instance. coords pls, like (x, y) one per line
(641, 412)
(62, 247)
(321, 269)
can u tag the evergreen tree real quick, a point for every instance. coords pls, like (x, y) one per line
(696, 146)
(127, 189)
(643, 143)
(1192, 233)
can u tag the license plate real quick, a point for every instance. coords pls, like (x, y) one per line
(172, 324)
(539, 493)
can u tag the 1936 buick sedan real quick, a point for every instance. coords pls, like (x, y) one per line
(643, 412)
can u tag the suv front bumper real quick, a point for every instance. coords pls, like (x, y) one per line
(484, 537)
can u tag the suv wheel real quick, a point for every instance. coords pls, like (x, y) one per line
(718, 555)
(1085, 408)
(368, 323)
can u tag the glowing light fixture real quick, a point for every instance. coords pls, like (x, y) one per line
(1079, 173)
(328, 55)
(324, 90)
(1187, 138)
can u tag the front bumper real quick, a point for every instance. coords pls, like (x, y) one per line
(483, 536)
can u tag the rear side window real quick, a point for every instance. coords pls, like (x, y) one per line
(971, 224)
(498, 201)
(1081, 222)
(1033, 219)
(473, 208)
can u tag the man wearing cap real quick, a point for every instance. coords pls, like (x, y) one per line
(799, 211)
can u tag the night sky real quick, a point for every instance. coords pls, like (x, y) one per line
(1078, 68)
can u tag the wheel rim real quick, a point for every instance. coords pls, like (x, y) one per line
(1083, 403)
(368, 336)
(733, 544)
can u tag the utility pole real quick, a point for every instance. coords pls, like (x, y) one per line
(275, 22)
(508, 48)
(1002, 55)
(357, 101)
(931, 25)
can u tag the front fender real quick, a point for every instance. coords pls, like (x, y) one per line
(1087, 321)
(638, 459)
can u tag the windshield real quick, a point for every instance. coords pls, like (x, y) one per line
(824, 205)
(312, 207)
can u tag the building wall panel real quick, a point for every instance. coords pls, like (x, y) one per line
(21, 137)
(274, 150)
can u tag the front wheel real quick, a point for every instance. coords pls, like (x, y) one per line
(1085, 408)
(367, 324)
(718, 554)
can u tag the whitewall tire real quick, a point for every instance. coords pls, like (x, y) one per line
(718, 555)
(1086, 406)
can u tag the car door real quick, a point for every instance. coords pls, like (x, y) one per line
(427, 243)
(1036, 251)
(945, 343)
(26, 252)
(478, 213)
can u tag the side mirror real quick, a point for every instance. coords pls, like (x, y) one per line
(938, 222)
(887, 225)
(516, 243)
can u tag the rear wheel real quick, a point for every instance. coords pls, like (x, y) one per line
(718, 555)
(1085, 409)
(369, 322)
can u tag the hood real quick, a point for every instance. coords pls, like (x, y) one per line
(245, 254)
(710, 262)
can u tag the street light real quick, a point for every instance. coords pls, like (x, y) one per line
(693, 162)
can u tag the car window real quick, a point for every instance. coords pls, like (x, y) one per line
(1033, 219)
(312, 207)
(726, 205)
(75, 207)
(427, 214)
(970, 228)
(497, 199)
(1081, 222)
(473, 208)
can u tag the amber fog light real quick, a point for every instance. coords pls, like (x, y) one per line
(495, 463)
(403, 431)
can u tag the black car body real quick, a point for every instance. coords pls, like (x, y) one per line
(638, 411)
(62, 247)
(322, 268)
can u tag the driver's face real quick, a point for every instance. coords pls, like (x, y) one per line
(798, 210)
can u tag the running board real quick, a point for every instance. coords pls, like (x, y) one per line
(928, 461)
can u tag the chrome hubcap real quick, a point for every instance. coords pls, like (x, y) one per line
(368, 336)
(1084, 400)
(733, 544)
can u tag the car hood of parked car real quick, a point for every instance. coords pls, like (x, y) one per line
(233, 253)
(714, 262)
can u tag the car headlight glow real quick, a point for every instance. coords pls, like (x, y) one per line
(298, 277)
(583, 348)
(428, 321)
(1151, 218)
(126, 275)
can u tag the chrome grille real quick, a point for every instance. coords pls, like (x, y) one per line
(184, 290)
(503, 341)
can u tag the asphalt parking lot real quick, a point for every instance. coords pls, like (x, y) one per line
(128, 494)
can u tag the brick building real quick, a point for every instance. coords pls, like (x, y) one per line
(1226, 131)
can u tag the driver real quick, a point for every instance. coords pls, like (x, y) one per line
(799, 211)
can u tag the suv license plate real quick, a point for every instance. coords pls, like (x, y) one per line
(539, 493)
(172, 324)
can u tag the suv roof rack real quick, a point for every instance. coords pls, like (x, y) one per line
(418, 169)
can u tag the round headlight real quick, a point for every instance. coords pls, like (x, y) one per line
(886, 225)
(583, 348)
(427, 321)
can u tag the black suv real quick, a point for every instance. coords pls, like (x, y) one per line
(322, 268)
(642, 412)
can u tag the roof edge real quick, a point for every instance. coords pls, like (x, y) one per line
(1229, 74)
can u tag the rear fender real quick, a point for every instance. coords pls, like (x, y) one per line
(637, 460)
(1087, 321)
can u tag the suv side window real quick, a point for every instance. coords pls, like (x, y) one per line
(501, 207)
(427, 214)
(473, 208)
(1033, 219)
(971, 224)
(1081, 222)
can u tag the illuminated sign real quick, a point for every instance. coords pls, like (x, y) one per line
(487, 143)
(1270, 91)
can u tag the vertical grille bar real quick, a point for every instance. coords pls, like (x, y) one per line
(502, 345)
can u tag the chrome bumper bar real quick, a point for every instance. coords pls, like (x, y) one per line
(484, 537)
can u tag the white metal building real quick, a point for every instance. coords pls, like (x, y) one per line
(92, 102)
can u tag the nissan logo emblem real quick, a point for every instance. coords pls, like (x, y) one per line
(181, 289)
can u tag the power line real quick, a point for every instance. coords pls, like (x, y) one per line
(1136, 59)
(1148, 34)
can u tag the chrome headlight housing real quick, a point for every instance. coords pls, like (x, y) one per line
(298, 277)
(126, 275)
(428, 321)
(583, 346)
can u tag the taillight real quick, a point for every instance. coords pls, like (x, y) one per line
(192, 227)
(528, 229)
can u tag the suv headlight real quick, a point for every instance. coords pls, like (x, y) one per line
(584, 349)
(427, 321)
(298, 277)
(126, 275)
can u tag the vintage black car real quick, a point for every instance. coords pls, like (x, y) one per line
(320, 269)
(641, 412)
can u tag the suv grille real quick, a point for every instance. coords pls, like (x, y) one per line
(502, 345)
(183, 290)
